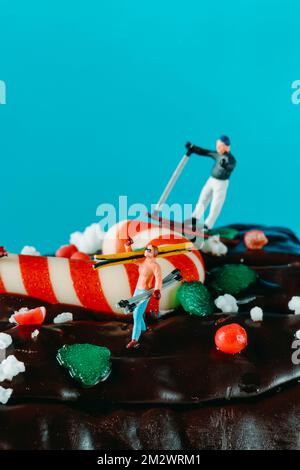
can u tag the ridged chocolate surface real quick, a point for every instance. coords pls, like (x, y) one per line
(176, 391)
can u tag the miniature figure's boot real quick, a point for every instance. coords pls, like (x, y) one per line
(132, 344)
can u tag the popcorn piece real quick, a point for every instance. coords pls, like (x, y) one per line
(34, 334)
(63, 317)
(10, 367)
(5, 340)
(30, 250)
(227, 303)
(294, 304)
(90, 240)
(214, 246)
(5, 394)
(256, 314)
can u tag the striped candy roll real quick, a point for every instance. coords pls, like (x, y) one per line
(75, 282)
(141, 233)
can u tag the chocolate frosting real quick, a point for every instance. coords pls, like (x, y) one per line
(177, 391)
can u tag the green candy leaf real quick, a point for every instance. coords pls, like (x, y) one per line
(225, 232)
(87, 363)
(233, 278)
(195, 298)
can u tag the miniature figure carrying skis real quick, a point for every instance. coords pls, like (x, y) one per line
(128, 305)
(149, 273)
(149, 270)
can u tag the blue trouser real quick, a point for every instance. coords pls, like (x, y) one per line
(139, 324)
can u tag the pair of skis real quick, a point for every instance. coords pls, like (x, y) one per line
(133, 256)
(188, 230)
(129, 305)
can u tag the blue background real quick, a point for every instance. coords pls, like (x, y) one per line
(102, 94)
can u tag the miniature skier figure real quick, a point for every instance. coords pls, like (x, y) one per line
(215, 189)
(149, 270)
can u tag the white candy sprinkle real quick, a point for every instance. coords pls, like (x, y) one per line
(63, 317)
(30, 250)
(294, 304)
(5, 394)
(90, 240)
(227, 303)
(34, 334)
(10, 367)
(5, 340)
(256, 314)
(214, 246)
(12, 317)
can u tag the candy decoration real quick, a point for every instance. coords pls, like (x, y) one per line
(80, 255)
(231, 339)
(195, 298)
(233, 278)
(3, 252)
(255, 239)
(142, 233)
(66, 251)
(75, 282)
(35, 316)
(87, 363)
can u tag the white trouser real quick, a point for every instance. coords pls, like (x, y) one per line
(214, 192)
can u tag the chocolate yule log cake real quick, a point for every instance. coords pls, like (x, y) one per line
(73, 384)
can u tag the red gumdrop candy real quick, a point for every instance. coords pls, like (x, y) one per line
(231, 339)
(35, 316)
(66, 251)
(80, 255)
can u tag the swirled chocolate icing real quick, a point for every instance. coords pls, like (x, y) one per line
(176, 391)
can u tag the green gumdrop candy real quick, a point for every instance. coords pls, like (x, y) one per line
(233, 278)
(195, 298)
(87, 363)
(225, 232)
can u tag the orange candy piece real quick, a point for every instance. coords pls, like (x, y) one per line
(255, 239)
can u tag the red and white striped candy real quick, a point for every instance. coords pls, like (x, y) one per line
(142, 233)
(75, 282)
